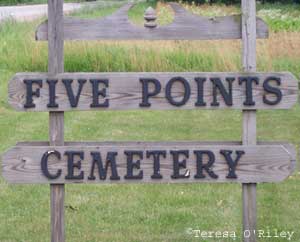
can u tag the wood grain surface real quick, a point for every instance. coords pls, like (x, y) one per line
(125, 91)
(249, 31)
(266, 162)
(56, 119)
(186, 26)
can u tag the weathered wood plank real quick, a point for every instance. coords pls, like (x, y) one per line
(120, 91)
(291, 149)
(186, 26)
(249, 31)
(56, 119)
(261, 163)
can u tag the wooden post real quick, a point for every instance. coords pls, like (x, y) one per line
(249, 117)
(56, 119)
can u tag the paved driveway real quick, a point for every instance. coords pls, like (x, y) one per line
(30, 12)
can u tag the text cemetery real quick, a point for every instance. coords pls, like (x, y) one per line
(148, 162)
(133, 164)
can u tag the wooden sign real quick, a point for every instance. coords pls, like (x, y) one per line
(121, 91)
(161, 162)
(185, 26)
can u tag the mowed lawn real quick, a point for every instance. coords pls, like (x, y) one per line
(144, 213)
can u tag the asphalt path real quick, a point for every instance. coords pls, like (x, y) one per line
(31, 12)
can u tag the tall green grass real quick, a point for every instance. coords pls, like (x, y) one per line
(99, 10)
(278, 16)
(281, 17)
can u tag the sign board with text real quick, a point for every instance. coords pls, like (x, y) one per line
(155, 91)
(156, 162)
(58, 162)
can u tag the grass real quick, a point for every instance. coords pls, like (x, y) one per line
(148, 213)
(279, 17)
(100, 10)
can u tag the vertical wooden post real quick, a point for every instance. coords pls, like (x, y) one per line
(249, 117)
(56, 119)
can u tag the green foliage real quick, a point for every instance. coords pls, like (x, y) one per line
(16, 2)
(280, 17)
(239, 1)
(96, 11)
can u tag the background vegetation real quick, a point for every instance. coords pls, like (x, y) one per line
(279, 17)
(238, 1)
(148, 213)
(15, 2)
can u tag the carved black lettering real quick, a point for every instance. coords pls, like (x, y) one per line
(249, 80)
(232, 164)
(271, 89)
(131, 165)
(44, 164)
(110, 161)
(179, 164)
(72, 165)
(97, 93)
(200, 92)
(73, 99)
(30, 93)
(156, 154)
(146, 93)
(52, 94)
(205, 167)
(186, 91)
(227, 95)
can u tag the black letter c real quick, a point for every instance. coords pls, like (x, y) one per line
(44, 164)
